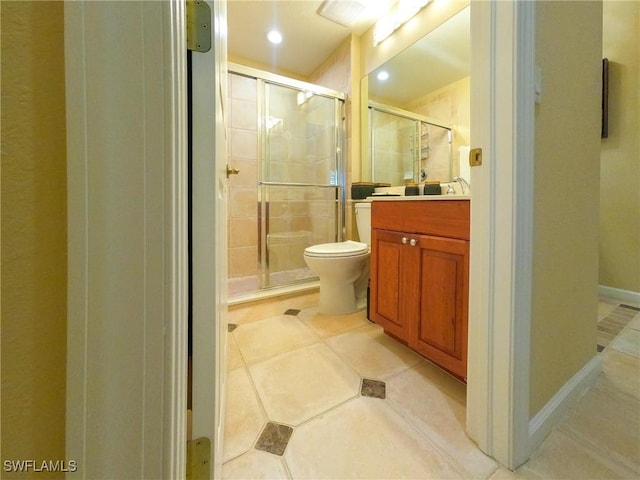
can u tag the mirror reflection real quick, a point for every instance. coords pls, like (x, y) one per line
(418, 109)
(406, 147)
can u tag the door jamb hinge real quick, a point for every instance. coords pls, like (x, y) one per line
(198, 26)
(198, 454)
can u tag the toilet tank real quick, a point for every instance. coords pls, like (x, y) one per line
(363, 221)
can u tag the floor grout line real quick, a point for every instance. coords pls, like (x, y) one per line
(609, 327)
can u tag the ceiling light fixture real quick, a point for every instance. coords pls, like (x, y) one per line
(382, 75)
(404, 11)
(274, 36)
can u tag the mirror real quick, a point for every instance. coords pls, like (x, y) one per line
(419, 115)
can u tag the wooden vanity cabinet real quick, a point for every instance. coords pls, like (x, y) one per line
(420, 277)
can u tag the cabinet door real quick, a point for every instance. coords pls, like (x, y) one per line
(441, 330)
(389, 274)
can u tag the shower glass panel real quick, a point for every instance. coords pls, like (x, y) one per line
(393, 147)
(406, 147)
(286, 138)
(300, 181)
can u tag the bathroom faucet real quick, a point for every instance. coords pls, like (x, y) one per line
(462, 183)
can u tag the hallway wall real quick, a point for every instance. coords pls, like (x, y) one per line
(34, 233)
(567, 146)
(620, 156)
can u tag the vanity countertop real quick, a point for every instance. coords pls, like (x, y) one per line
(413, 198)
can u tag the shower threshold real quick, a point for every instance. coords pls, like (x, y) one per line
(245, 289)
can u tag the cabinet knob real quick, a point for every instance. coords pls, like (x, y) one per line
(413, 242)
(404, 240)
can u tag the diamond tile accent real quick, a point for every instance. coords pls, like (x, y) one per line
(274, 438)
(292, 311)
(373, 388)
(231, 327)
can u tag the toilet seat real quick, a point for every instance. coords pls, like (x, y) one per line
(339, 249)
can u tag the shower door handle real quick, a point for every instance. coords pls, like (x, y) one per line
(232, 171)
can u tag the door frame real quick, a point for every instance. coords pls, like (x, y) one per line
(503, 104)
(209, 237)
(503, 124)
(501, 218)
(127, 238)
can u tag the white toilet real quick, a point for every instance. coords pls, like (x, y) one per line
(343, 268)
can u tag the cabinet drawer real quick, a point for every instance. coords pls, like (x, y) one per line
(446, 218)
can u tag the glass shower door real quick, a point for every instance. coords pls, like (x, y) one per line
(300, 181)
(393, 148)
(405, 147)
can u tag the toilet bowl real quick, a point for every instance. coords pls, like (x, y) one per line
(343, 268)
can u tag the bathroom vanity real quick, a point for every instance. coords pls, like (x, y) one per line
(420, 275)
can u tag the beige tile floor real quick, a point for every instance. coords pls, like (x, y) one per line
(305, 370)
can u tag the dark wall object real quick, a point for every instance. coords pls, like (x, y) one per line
(605, 98)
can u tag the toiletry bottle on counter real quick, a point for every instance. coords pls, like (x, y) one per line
(432, 188)
(411, 189)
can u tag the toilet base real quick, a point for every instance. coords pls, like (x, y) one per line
(343, 280)
(337, 298)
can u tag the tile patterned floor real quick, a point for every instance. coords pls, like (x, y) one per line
(333, 397)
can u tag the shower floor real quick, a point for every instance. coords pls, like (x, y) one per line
(244, 285)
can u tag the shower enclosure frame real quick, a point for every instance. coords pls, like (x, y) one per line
(398, 112)
(263, 79)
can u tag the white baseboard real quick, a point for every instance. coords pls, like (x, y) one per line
(541, 425)
(626, 296)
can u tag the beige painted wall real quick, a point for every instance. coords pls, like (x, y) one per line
(620, 157)
(566, 184)
(33, 233)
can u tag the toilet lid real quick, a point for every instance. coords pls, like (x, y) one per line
(340, 249)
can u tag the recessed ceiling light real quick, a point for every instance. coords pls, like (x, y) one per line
(383, 75)
(274, 36)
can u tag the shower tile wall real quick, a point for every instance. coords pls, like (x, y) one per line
(243, 194)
